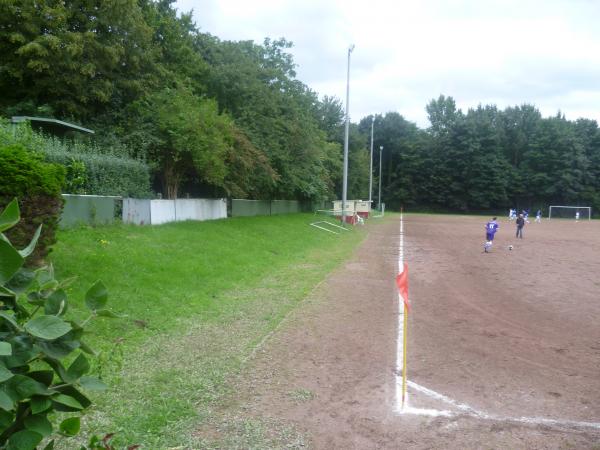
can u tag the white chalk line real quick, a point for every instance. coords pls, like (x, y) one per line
(466, 410)
(462, 408)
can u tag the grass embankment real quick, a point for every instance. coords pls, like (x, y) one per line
(198, 298)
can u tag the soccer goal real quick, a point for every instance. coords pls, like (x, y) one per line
(570, 212)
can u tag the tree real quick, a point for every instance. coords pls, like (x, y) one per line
(77, 58)
(402, 157)
(442, 114)
(256, 85)
(330, 115)
(179, 130)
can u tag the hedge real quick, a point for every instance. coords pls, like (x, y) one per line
(102, 174)
(90, 169)
(37, 186)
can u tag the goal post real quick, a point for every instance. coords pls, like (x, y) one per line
(570, 212)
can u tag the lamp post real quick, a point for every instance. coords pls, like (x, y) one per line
(346, 134)
(371, 166)
(380, 162)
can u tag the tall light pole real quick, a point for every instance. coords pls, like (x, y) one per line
(346, 134)
(380, 162)
(371, 167)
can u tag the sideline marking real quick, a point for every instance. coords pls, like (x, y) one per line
(463, 408)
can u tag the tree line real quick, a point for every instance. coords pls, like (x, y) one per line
(212, 117)
(488, 159)
(222, 118)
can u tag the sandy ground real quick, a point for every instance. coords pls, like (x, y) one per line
(511, 334)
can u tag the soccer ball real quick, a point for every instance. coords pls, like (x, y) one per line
(510, 247)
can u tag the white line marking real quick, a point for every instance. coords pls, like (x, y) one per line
(472, 412)
(462, 408)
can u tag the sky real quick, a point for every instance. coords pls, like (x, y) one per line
(501, 52)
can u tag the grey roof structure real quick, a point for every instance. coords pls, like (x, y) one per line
(54, 126)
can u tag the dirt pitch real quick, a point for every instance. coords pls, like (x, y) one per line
(511, 334)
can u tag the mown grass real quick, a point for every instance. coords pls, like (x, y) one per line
(198, 298)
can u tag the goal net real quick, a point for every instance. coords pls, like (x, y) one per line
(570, 212)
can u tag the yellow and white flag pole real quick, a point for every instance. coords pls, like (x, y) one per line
(404, 348)
(402, 283)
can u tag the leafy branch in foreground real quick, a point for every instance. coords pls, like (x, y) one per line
(36, 341)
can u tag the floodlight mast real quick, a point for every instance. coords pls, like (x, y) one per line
(380, 164)
(346, 134)
(371, 166)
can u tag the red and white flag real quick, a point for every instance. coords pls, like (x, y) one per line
(402, 283)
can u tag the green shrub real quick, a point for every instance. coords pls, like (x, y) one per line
(38, 184)
(90, 168)
(76, 177)
(104, 174)
(35, 343)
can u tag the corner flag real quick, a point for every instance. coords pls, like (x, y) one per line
(402, 283)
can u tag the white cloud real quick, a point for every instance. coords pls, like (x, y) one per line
(505, 52)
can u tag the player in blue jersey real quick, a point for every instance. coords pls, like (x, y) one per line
(490, 230)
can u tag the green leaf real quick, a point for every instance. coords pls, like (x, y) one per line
(70, 426)
(67, 401)
(6, 419)
(79, 367)
(10, 216)
(44, 277)
(21, 387)
(21, 281)
(96, 296)
(40, 424)
(56, 304)
(92, 384)
(86, 348)
(5, 374)
(36, 299)
(47, 327)
(10, 261)
(67, 282)
(10, 319)
(42, 376)
(29, 249)
(23, 352)
(58, 348)
(49, 446)
(108, 313)
(58, 368)
(5, 349)
(40, 404)
(71, 391)
(6, 293)
(6, 402)
(24, 440)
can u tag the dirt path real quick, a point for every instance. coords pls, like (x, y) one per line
(510, 334)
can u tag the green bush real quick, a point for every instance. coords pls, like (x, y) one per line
(90, 169)
(76, 177)
(35, 343)
(38, 184)
(104, 174)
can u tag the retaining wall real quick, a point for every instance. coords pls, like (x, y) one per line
(88, 209)
(155, 212)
